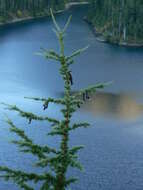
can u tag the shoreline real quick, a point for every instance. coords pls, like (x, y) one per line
(30, 18)
(100, 38)
(69, 5)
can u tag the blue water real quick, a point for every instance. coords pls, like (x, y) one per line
(113, 154)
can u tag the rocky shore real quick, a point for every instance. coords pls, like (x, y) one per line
(101, 38)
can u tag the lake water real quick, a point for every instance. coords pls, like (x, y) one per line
(113, 154)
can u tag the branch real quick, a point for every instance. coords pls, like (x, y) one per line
(91, 89)
(27, 144)
(67, 24)
(49, 54)
(47, 101)
(54, 21)
(71, 180)
(84, 125)
(75, 149)
(21, 178)
(30, 116)
(53, 162)
(76, 53)
(57, 130)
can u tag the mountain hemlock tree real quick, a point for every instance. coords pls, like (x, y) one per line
(56, 161)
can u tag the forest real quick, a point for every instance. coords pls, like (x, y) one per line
(12, 9)
(119, 21)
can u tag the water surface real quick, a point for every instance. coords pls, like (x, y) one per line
(113, 154)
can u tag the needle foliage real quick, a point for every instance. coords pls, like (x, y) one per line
(54, 161)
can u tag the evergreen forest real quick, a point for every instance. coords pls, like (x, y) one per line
(120, 21)
(12, 9)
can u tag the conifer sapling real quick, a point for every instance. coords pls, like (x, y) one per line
(57, 161)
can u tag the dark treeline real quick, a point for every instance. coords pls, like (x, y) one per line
(10, 9)
(118, 20)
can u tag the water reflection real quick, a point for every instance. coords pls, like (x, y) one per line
(121, 106)
(115, 106)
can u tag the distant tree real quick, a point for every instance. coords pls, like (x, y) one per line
(118, 20)
(56, 160)
(32, 7)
